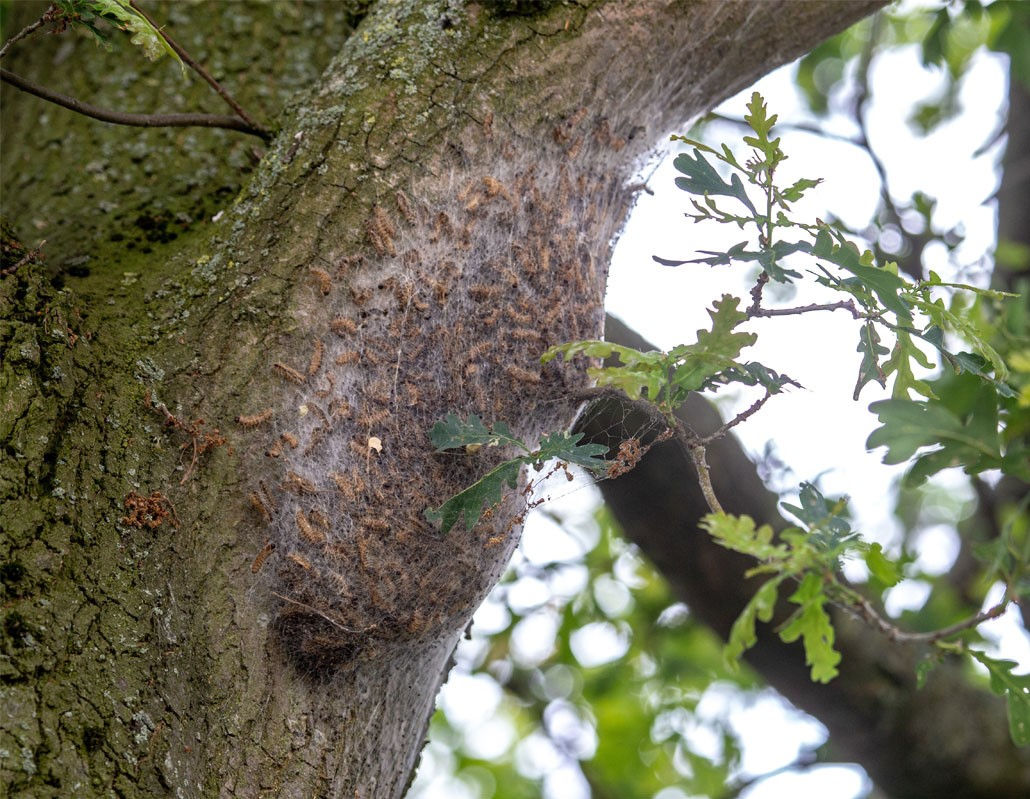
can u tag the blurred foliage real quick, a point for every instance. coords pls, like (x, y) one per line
(629, 723)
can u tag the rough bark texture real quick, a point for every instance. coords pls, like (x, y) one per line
(262, 610)
(950, 738)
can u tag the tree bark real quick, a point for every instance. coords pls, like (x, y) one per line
(217, 578)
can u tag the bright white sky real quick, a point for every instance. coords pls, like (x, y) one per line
(667, 305)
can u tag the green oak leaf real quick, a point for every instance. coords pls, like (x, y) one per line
(812, 625)
(751, 373)
(566, 447)
(974, 363)
(715, 349)
(884, 570)
(871, 348)
(123, 16)
(1016, 690)
(828, 527)
(768, 258)
(486, 491)
(759, 608)
(452, 433)
(797, 190)
(758, 118)
(908, 425)
(899, 364)
(638, 372)
(740, 534)
(702, 178)
(833, 247)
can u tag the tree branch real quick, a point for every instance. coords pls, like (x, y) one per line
(199, 69)
(27, 31)
(865, 610)
(135, 120)
(874, 712)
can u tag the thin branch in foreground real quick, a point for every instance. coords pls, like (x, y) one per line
(199, 69)
(134, 120)
(755, 309)
(846, 305)
(28, 30)
(740, 417)
(704, 476)
(756, 294)
(865, 610)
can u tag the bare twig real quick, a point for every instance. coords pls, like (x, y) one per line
(755, 309)
(846, 305)
(28, 30)
(322, 615)
(199, 69)
(865, 610)
(756, 294)
(135, 120)
(704, 476)
(849, 598)
(740, 417)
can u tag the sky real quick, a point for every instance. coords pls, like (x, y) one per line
(667, 305)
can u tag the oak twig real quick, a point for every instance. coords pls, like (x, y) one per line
(135, 120)
(28, 30)
(865, 610)
(846, 305)
(199, 69)
(740, 417)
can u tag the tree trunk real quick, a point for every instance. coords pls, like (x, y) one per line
(217, 576)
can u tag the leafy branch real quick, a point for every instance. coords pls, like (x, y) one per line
(472, 435)
(976, 414)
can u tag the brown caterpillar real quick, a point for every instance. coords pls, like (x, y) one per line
(360, 296)
(296, 484)
(307, 529)
(374, 523)
(404, 206)
(289, 373)
(256, 501)
(372, 418)
(522, 375)
(380, 232)
(325, 282)
(525, 334)
(339, 409)
(255, 419)
(343, 327)
(316, 358)
(300, 560)
(262, 556)
(481, 293)
(350, 484)
(478, 351)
